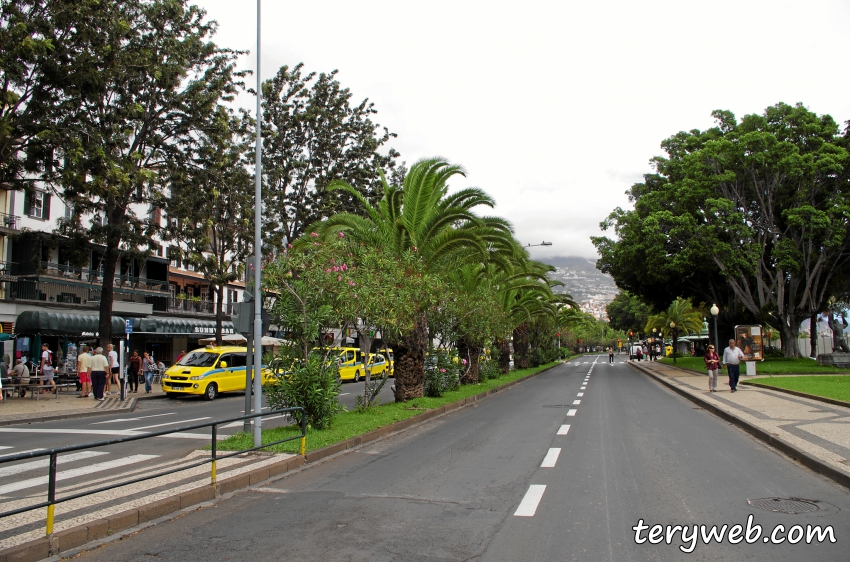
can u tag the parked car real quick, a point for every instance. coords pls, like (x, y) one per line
(354, 371)
(633, 351)
(208, 372)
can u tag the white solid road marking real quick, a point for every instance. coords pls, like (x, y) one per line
(576, 402)
(528, 505)
(571, 412)
(45, 462)
(74, 473)
(169, 423)
(105, 432)
(551, 458)
(5, 447)
(564, 429)
(580, 394)
(134, 419)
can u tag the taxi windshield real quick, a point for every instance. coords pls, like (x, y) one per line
(198, 359)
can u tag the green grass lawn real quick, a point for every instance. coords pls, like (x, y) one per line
(836, 387)
(354, 423)
(799, 366)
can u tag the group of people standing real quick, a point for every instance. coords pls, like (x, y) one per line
(651, 352)
(732, 357)
(97, 371)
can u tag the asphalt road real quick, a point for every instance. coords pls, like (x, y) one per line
(470, 485)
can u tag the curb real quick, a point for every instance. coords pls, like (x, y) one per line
(806, 459)
(70, 542)
(833, 401)
(85, 414)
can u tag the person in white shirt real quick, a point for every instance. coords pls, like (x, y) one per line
(114, 367)
(46, 366)
(732, 359)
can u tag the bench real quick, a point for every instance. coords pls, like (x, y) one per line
(34, 387)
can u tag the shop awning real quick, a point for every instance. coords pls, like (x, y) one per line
(181, 326)
(60, 324)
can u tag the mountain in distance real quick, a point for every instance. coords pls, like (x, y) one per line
(589, 287)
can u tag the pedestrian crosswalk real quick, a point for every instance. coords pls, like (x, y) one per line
(25, 482)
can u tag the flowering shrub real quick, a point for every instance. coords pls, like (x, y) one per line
(442, 373)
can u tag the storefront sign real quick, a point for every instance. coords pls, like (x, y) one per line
(211, 330)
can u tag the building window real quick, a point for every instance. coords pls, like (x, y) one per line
(173, 290)
(205, 294)
(37, 204)
(69, 212)
(156, 216)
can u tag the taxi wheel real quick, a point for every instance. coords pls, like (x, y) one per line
(211, 391)
(356, 376)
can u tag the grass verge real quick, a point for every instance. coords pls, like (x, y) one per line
(353, 423)
(796, 366)
(835, 387)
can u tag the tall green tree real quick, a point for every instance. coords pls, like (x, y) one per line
(210, 202)
(681, 317)
(441, 228)
(761, 203)
(314, 134)
(628, 312)
(160, 78)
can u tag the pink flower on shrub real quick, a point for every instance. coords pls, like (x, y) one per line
(339, 277)
(415, 248)
(314, 235)
(328, 270)
(442, 370)
(350, 283)
(289, 245)
(342, 235)
(463, 361)
(355, 295)
(344, 267)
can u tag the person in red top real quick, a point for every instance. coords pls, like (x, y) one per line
(712, 363)
(133, 368)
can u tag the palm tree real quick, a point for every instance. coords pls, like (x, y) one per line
(681, 315)
(442, 229)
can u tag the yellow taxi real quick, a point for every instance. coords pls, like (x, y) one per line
(388, 354)
(207, 372)
(353, 369)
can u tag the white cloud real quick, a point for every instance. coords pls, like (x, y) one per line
(555, 108)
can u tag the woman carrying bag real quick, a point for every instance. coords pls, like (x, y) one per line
(148, 367)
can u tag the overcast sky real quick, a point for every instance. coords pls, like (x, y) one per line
(554, 108)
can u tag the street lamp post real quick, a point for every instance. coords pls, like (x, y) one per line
(258, 251)
(654, 339)
(714, 312)
(541, 244)
(673, 329)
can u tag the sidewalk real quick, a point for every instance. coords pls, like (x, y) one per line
(67, 406)
(815, 433)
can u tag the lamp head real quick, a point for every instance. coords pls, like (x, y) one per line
(714, 310)
(673, 325)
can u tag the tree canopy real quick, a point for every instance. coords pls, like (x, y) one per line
(751, 213)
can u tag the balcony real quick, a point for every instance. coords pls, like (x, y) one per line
(196, 307)
(92, 277)
(9, 223)
(80, 296)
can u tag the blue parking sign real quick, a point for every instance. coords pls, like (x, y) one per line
(128, 327)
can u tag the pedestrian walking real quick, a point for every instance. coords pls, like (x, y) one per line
(610, 354)
(639, 353)
(133, 370)
(114, 368)
(46, 366)
(712, 364)
(148, 367)
(99, 367)
(732, 359)
(84, 370)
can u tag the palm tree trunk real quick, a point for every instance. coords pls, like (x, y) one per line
(813, 335)
(409, 354)
(521, 346)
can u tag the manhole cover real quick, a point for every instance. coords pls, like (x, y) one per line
(784, 505)
(556, 406)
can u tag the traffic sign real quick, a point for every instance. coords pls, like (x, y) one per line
(128, 327)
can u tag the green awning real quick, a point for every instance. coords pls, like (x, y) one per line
(181, 326)
(60, 324)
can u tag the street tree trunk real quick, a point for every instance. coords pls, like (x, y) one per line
(504, 347)
(471, 352)
(521, 346)
(789, 330)
(409, 354)
(813, 335)
(219, 312)
(107, 293)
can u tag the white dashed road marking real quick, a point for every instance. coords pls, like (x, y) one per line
(571, 412)
(551, 458)
(528, 505)
(564, 429)
(576, 402)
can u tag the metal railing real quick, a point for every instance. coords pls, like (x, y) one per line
(12, 222)
(55, 452)
(95, 276)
